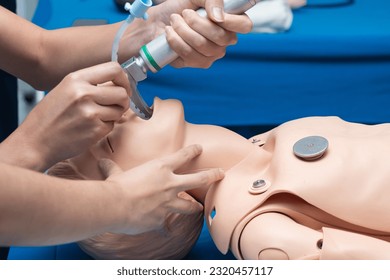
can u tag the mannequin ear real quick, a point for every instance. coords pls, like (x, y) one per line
(108, 167)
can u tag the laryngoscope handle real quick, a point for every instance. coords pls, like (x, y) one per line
(157, 53)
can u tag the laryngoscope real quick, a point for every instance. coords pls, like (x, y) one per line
(157, 53)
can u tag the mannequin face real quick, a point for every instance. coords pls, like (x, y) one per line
(134, 141)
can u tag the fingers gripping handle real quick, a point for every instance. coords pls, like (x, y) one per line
(157, 53)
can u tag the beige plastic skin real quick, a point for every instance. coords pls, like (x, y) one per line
(338, 199)
(344, 194)
(134, 141)
(279, 238)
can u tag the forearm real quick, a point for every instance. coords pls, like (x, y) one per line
(71, 49)
(36, 209)
(18, 151)
(43, 57)
(74, 48)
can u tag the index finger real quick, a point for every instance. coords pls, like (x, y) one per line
(102, 73)
(183, 156)
(200, 179)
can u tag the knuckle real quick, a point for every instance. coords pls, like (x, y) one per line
(189, 152)
(185, 53)
(74, 76)
(113, 67)
(189, 16)
(215, 175)
(247, 27)
(160, 164)
(89, 114)
(77, 92)
(122, 99)
(200, 43)
(221, 54)
(106, 128)
(205, 63)
(220, 37)
(204, 178)
(225, 38)
(184, 50)
(99, 130)
(175, 21)
(234, 39)
(80, 95)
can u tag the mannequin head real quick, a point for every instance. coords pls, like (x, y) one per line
(134, 141)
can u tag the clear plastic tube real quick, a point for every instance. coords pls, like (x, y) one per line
(118, 36)
(137, 10)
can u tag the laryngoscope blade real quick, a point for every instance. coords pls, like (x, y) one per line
(137, 103)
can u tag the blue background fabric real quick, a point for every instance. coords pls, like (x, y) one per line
(333, 61)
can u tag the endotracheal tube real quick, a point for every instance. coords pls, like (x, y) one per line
(136, 10)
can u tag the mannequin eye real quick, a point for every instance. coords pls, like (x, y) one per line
(109, 145)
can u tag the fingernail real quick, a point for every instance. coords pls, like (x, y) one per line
(217, 13)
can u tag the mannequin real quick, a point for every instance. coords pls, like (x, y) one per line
(134, 141)
(272, 204)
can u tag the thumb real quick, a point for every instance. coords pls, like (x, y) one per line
(214, 9)
(108, 167)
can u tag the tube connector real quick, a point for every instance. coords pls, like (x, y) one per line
(136, 68)
(138, 8)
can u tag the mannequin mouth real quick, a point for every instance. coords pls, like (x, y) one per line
(109, 145)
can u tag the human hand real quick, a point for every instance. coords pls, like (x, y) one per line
(197, 40)
(200, 41)
(73, 116)
(151, 191)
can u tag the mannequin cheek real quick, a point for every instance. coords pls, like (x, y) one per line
(128, 155)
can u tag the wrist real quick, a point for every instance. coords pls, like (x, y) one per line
(18, 150)
(116, 210)
(141, 32)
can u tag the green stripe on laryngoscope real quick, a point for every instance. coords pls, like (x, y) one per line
(150, 58)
